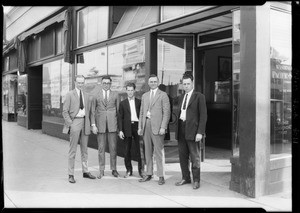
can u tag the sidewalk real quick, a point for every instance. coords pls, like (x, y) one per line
(35, 175)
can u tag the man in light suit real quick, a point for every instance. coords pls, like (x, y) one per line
(76, 112)
(153, 122)
(128, 119)
(104, 124)
(190, 131)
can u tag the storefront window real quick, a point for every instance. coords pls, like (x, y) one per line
(56, 84)
(8, 93)
(92, 65)
(126, 63)
(92, 25)
(22, 95)
(174, 58)
(281, 75)
(236, 80)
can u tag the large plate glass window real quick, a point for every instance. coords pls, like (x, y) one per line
(126, 63)
(22, 95)
(92, 65)
(56, 84)
(174, 58)
(281, 75)
(92, 25)
(236, 80)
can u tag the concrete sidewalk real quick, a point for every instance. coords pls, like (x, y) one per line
(35, 175)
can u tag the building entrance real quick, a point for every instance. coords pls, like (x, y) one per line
(35, 97)
(215, 64)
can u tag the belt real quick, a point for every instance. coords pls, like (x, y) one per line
(78, 117)
(132, 122)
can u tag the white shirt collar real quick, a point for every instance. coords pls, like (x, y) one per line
(190, 93)
(78, 91)
(154, 90)
(132, 99)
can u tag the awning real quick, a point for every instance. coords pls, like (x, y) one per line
(9, 46)
(137, 17)
(58, 18)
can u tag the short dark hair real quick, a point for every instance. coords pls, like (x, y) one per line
(130, 85)
(79, 76)
(106, 77)
(153, 76)
(188, 75)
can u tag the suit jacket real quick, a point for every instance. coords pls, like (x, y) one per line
(124, 118)
(159, 109)
(71, 109)
(196, 115)
(102, 115)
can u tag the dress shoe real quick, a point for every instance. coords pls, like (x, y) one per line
(182, 182)
(141, 173)
(71, 179)
(101, 174)
(161, 181)
(196, 185)
(128, 173)
(88, 175)
(115, 173)
(145, 178)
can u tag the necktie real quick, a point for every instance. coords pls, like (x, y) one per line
(80, 101)
(105, 98)
(184, 104)
(151, 97)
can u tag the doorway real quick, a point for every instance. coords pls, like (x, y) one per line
(35, 90)
(215, 65)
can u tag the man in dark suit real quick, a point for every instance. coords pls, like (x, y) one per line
(128, 119)
(76, 112)
(105, 124)
(153, 123)
(190, 131)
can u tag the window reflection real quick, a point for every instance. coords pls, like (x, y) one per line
(8, 93)
(281, 75)
(92, 25)
(175, 56)
(22, 95)
(126, 63)
(236, 80)
(56, 84)
(92, 65)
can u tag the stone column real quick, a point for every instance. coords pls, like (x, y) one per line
(255, 83)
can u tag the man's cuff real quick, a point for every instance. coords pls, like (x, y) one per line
(93, 125)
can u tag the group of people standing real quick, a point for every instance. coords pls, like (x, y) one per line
(132, 119)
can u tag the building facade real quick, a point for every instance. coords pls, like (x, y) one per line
(240, 57)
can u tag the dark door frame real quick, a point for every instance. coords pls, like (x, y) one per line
(200, 76)
(35, 97)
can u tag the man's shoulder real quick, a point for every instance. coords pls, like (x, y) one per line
(70, 92)
(162, 92)
(198, 93)
(124, 101)
(146, 93)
